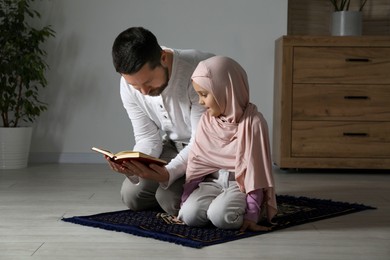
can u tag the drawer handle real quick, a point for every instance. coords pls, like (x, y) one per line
(356, 97)
(357, 60)
(356, 134)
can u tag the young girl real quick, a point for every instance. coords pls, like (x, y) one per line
(229, 175)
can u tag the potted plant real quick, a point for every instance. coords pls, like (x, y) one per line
(22, 75)
(344, 21)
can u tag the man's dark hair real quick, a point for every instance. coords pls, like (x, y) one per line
(133, 48)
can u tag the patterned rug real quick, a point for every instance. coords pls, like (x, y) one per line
(292, 211)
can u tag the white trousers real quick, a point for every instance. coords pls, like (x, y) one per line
(217, 200)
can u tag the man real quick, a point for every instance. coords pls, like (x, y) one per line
(157, 94)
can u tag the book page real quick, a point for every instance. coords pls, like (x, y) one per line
(105, 152)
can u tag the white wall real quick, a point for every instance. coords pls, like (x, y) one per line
(85, 109)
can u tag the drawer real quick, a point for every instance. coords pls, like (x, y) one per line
(341, 65)
(341, 102)
(332, 139)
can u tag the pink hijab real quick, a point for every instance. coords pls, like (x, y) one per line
(237, 140)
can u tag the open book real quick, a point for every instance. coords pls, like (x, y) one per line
(130, 155)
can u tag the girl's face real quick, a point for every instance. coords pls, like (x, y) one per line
(207, 100)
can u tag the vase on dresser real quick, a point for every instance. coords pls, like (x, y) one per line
(346, 23)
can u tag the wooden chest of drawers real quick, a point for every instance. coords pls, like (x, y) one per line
(332, 102)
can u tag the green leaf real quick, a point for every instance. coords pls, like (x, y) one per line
(22, 62)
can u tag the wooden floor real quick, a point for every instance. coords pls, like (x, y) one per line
(33, 200)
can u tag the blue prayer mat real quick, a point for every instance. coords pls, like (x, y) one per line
(292, 211)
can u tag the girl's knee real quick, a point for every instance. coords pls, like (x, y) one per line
(225, 218)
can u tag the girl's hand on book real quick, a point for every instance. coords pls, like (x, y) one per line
(152, 172)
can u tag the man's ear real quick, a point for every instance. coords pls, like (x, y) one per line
(164, 58)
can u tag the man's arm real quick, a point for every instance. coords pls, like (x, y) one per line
(146, 133)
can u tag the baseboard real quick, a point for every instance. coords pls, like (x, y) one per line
(66, 158)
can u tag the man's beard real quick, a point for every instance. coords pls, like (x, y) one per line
(157, 91)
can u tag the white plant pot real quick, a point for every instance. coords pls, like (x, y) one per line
(14, 147)
(346, 23)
